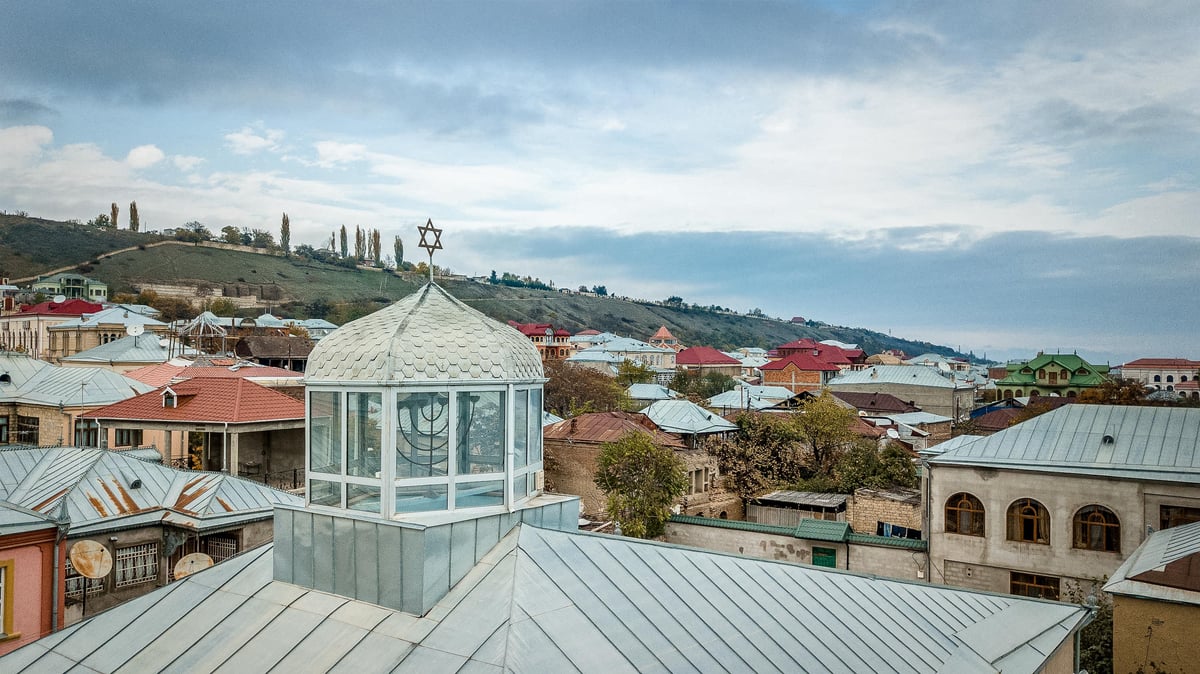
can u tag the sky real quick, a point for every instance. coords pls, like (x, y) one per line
(1003, 178)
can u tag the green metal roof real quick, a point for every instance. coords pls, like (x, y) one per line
(810, 532)
(1068, 361)
(823, 530)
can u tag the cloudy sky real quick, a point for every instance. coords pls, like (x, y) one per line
(999, 177)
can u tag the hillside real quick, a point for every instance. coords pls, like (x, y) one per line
(306, 288)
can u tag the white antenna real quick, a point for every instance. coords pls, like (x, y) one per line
(134, 330)
(59, 299)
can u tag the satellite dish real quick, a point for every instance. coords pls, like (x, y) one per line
(59, 299)
(197, 561)
(135, 330)
(91, 559)
(164, 342)
(891, 433)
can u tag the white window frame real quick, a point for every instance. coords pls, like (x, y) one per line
(135, 565)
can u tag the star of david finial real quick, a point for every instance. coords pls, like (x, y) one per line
(428, 245)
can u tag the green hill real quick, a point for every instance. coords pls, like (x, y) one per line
(306, 288)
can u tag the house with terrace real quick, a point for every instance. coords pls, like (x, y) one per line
(1162, 374)
(1061, 499)
(28, 330)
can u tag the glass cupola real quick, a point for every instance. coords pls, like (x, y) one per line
(426, 405)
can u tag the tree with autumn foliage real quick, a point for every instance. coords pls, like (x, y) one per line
(572, 390)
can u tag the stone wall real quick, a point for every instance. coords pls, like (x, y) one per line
(868, 507)
(776, 547)
(1147, 631)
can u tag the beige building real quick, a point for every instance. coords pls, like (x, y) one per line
(1156, 603)
(95, 329)
(1062, 498)
(916, 385)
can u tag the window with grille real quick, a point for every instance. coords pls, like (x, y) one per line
(220, 547)
(27, 430)
(1032, 585)
(136, 564)
(964, 515)
(1097, 528)
(1028, 521)
(76, 582)
(129, 437)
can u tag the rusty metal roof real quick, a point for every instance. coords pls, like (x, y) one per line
(600, 427)
(100, 488)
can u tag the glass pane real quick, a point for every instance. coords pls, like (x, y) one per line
(324, 492)
(421, 498)
(532, 484)
(364, 419)
(535, 426)
(479, 494)
(480, 432)
(360, 497)
(521, 428)
(422, 434)
(325, 432)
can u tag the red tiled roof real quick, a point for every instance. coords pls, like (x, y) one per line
(803, 361)
(157, 375)
(997, 420)
(826, 352)
(600, 427)
(72, 307)
(1164, 363)
(561, 332)
(234, 401)
(663, 333)
(704, 355)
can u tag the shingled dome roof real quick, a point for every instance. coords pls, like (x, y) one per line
(427, 336)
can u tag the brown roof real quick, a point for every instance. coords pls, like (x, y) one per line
(802, 361)
(663, 333)
(875, 402)
(598, 427)
(207, 401)
(1164, 363)
(273, 347)
(157, 375)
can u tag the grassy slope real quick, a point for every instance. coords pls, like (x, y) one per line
(29, 246)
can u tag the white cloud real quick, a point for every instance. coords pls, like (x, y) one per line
(20, 145)
(252, 141)
(186, 163)
(144, 156)
(331, 153)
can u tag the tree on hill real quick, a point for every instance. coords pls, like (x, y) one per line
(285, 235)
(398, 247)
(231, 234)
(261, 238)
(101, 221)
(375, 246)
(360, 244)
(134, 222)
(343, 241)
(641, 480)
(193, 231)
(115, 212)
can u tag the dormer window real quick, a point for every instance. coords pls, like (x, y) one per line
(170, 399)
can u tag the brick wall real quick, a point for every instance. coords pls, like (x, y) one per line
(793, 379)
(868, 507)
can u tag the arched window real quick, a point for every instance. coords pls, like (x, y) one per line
(1097, 528)
(1008, 394)
(1029, 522)
(1019, 394)
(1183, 377)
(964, 515)
(1065, 374)
(1070, 394)
(1041, 374)
(1171, 378)
(1157, 377)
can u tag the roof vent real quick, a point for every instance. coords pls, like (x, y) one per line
(1107, 439)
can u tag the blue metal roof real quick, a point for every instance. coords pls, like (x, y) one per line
(686, 417)
(1147, 443)
(551, 601)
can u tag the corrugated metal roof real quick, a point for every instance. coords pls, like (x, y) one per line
(208, 400)
(1140, 575)
(14, 519)
(547, 601)
(822, 530)
(808, 498)
(128, 349)
(913, 375)
(917, 418)
(686, 417)
(650, 392)
(600, 427)
(1148, 443)
(424, 338)
(74, 387)
(112, 316)
(98, 487)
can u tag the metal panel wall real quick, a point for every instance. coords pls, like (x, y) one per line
(401, 565)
